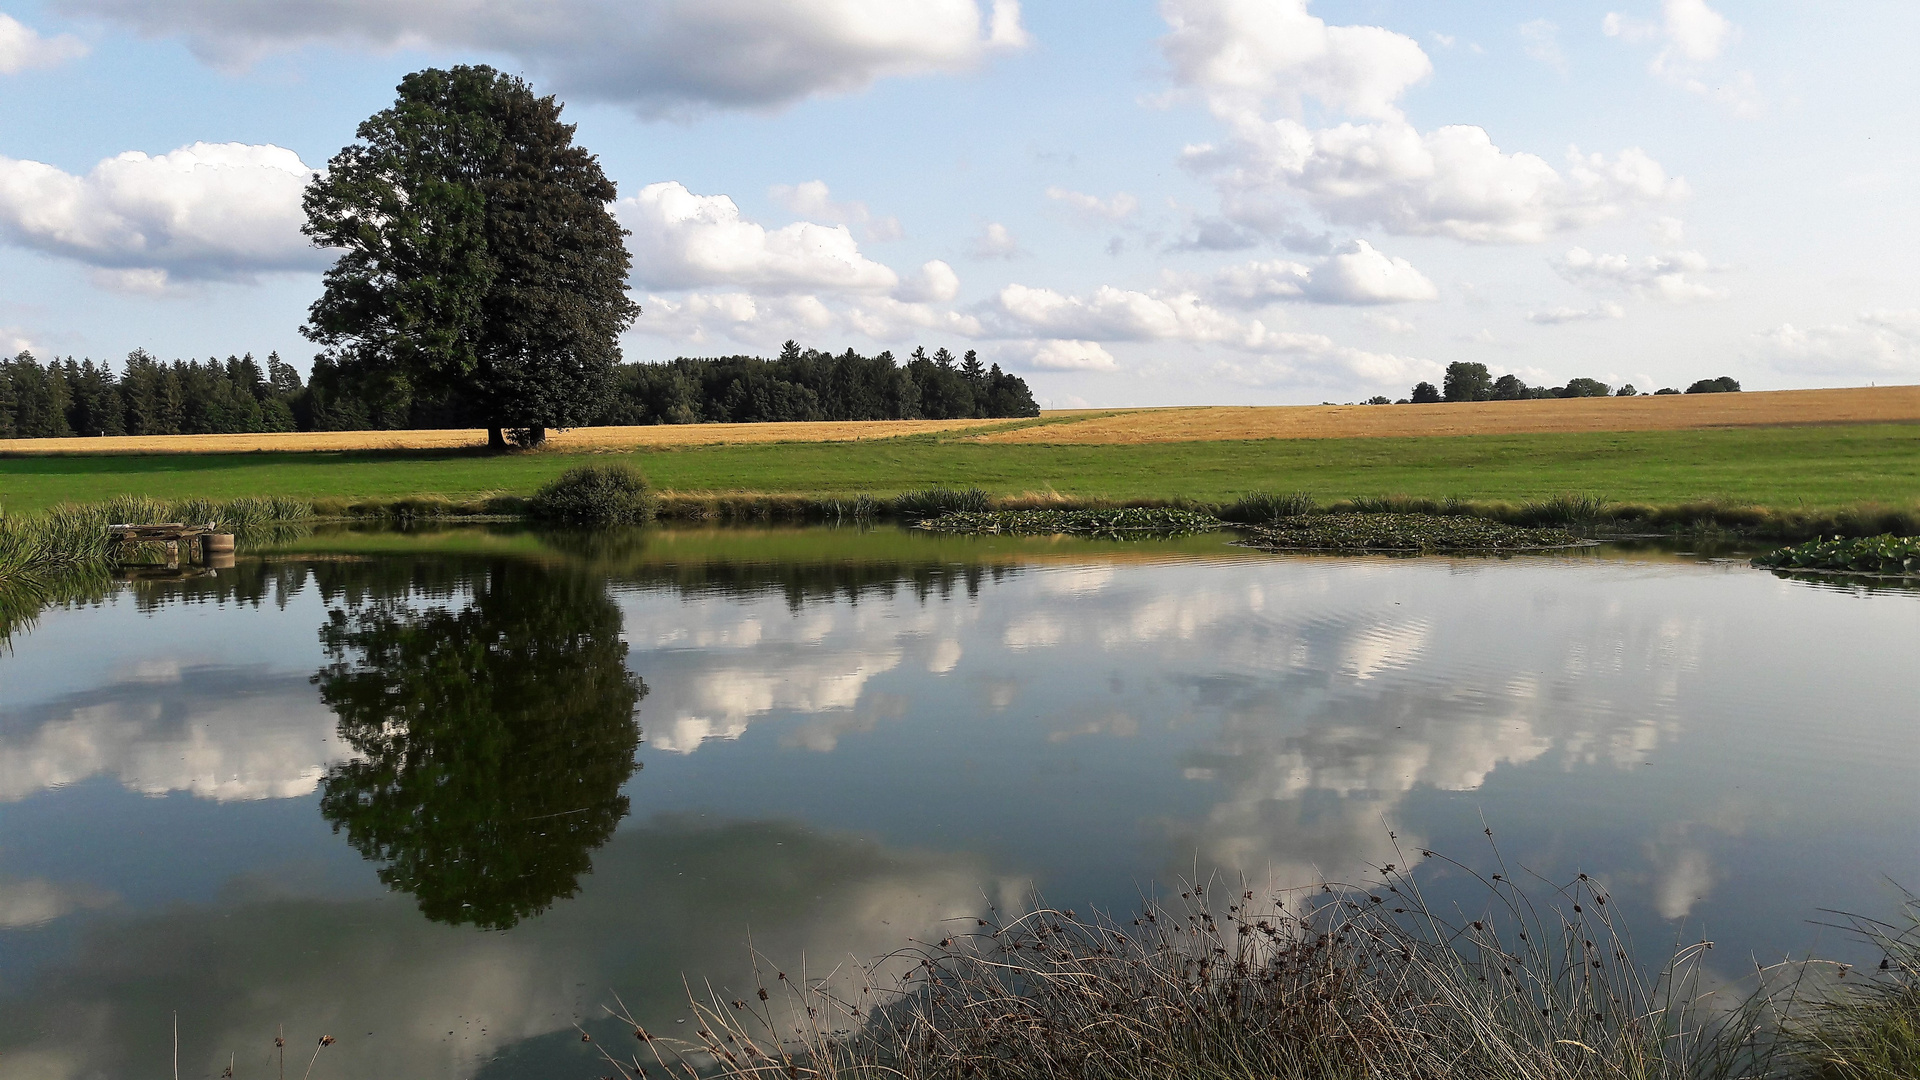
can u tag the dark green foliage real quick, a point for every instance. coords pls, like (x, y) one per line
(1725, 384)
(1467, 382)
(1664, 391)
(1586, 388)
(595, 495)
(1626, 391)
(1884, 554)
(806, 384)
(1424, 393)
(480, 266)
(1510, 388)
(188, 397)
(492, 740)
(1259, 507)
(933, 502)
(1119, 523)
(1403, 532)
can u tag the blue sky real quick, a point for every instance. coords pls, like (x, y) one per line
(1189, 201)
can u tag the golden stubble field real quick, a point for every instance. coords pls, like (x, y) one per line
(1862, 405)
(1865, 405)
(576, 439)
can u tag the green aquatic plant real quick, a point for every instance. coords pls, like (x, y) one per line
(1868, 1028)
(1400, 532)
(1565, 509)
(1884, 554)
(596, 495)
(1118, 522)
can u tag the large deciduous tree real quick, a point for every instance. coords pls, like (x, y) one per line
(479, 261)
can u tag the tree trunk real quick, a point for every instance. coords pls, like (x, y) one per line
(536, 436)
(496, 439)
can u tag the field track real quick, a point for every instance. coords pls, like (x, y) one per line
(1684, 412)
(1122, 427)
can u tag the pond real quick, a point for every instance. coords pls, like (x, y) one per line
(443, 795)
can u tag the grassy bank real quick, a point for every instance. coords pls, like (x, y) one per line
(1786, 468)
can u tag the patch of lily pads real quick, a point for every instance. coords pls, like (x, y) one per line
(1123, 523)
(1886, 555)
(1404, 533)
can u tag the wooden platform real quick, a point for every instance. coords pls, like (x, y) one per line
(203, 544)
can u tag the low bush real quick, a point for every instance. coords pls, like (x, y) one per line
(595, 495)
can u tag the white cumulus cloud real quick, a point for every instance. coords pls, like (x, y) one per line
(1119, 207)
(1065, 356)
(1242, 51)
(209, 211)
(1875, 343)
(813, 201)
(658, 56)
(1256, 61)
(682, 240)
(1360, 275)
(995, 241)
(1693, 36)
(935, 280)
(1560, 315)
(1661, 277)
(23, 49)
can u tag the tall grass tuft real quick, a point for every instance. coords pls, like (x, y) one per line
(1265, 507)
(1567, 509)
(595, 495)
(1868, 1028)
(934, 501)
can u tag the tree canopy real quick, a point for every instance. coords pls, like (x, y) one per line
(479, 261)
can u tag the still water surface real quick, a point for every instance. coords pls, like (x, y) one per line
(442, 796)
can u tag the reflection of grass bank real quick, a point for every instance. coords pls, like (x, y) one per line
(1327, 983)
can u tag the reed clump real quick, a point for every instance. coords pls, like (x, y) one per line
(1117, 523)
(1265, 507)
(934, 502)
(1328, 983)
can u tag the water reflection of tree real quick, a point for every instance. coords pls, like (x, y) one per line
(494, 740)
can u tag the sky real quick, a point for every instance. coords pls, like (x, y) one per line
(1126, 202)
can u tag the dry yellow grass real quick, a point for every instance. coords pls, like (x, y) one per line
(1886, 404)
(576, 439)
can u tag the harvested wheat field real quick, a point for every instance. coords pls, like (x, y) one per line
(574, 439)
(1681, 412)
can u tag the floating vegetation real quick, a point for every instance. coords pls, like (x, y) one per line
(1886, 554)
(1403, 532)
(1122, 522)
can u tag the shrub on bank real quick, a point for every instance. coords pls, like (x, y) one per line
(595, 495)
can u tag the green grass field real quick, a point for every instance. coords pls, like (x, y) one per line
(1783, 467)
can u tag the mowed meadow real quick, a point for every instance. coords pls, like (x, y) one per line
(1783, 449)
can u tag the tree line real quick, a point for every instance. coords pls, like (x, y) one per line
(1473, 382)
(238, 395)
